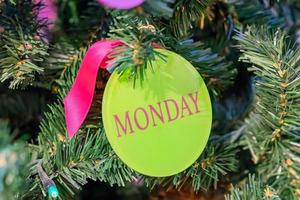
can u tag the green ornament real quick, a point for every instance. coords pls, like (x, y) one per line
(161, 127)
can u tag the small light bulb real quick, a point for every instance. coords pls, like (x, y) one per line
(53, 192)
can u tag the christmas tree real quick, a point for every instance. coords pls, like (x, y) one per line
(246, 51)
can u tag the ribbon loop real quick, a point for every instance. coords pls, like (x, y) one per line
(78, 101)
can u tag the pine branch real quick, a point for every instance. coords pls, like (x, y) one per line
(61, 56)
(187, 14)
(217, 73)
(138, 34)
(159, 8)
(254, 12)
(72, 163)
(20, 56)
(253, 189)
(275, 120)
(22, 51)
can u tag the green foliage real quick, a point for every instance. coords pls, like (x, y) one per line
(253, 189)
(21, 47)
(20, 56)
(138, 34)
(186, 14)
(71, 163)
(254, 12)
(272, 127)
(159, 8)
(217, 73)
(270, 133)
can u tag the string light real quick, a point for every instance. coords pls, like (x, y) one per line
(48, 184)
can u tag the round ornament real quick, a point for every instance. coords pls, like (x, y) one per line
(121, 4)
(160, 127)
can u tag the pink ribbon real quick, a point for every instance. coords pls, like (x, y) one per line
(79, 99)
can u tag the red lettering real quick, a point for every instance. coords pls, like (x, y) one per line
(195, 101)
(159, 115)
(120, 125)
(185, 106)
(168, 109)
(136, 118)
